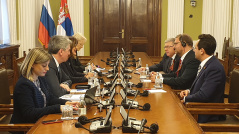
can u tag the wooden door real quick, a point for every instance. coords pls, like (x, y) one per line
(130, 24)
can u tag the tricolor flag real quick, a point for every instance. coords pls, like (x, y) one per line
(47, 27)
(64, 26)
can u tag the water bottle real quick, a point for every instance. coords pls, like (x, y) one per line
(89, 67)
(97, 84)
(147, 70)
(158, 81)
(139, 63)
(82, 107)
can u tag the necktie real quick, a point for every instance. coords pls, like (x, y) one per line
(199, 69)
(58, 68)
(179, 67)
(172, 64)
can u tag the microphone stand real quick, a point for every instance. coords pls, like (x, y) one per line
(126, 128)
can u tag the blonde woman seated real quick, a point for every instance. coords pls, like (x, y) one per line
(75, 63)
(32, 98)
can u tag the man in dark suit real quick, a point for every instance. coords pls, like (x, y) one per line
(188, 65)
(209, 84)
(170, 60)
(58, 81)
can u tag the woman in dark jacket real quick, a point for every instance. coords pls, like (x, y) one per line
(32, 99)
(68, 66)
(75, 62)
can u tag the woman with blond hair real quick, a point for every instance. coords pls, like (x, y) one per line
(80, 41)
(32, 98)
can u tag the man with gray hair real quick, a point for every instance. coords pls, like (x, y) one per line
(170, 59)
(58, 81)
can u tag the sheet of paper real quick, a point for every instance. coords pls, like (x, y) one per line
(154, 90)
(78, 91)
(145, 80)
(72, 97)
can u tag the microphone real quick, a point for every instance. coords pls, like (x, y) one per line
(127, 118)
(143, 122)
(99, 73)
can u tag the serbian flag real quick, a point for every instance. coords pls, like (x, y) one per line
(47, 27)
(64, 26)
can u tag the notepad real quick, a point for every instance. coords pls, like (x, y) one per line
(78, 91)
(153, 90)
(72, 97)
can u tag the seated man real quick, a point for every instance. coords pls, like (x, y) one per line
(58, 81)
(170, 59)
(188, 65)
(209, 84)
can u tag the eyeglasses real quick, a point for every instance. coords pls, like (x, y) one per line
(168, 46)
(175, 43)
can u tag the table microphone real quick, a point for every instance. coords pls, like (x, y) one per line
(143, 122)
(127, 118)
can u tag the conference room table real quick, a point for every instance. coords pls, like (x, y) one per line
(166, 109)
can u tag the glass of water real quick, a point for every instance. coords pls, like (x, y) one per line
(67, 112)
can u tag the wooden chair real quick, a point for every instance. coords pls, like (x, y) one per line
(155, 59)
(231, 109)
(85, 59)
(17, 62)
(6, 108)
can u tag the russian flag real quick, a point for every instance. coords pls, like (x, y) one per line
(47, 27)
(64, 26)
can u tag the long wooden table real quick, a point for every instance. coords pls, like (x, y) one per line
(166, 110)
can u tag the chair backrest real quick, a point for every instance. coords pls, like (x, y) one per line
(233, 96)
(225, 46)
(17, 62)
(4, 86)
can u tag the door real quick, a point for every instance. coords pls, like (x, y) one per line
(130, 24)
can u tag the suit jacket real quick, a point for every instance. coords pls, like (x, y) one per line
(76, 77)
(186, 75)
(209, 86)
(29, 103)
(76, 64)
(55, 78)
(164, 65)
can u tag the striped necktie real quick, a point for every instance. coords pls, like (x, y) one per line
(172, 64)
(179, 67)
(199, 69)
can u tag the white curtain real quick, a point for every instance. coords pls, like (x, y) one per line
(175, 18)
(4, 23)
(76, 9)
(11, 4)
(235, 24)
(27, 25)
(216, 20)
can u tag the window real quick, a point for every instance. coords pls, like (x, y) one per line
(4, 24)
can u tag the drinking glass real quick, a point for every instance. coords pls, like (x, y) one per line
(67, 112)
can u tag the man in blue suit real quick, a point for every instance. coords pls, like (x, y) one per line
(209, 85)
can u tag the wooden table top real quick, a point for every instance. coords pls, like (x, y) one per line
(166, 109)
